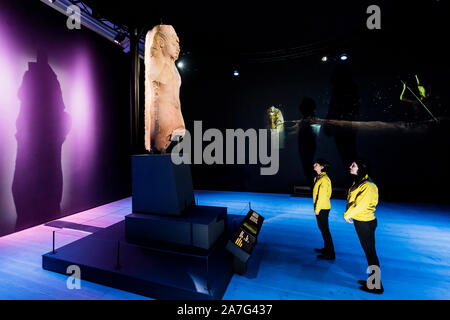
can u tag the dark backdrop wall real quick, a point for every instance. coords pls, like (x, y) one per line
(408, 153)
(64, 117)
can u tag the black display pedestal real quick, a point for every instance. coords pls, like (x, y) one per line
(167, 248)
(199, 227)
(240, 258)
(160, 272)
(159, 186)
(239, 266)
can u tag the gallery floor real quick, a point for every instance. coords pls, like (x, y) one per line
(413, 243)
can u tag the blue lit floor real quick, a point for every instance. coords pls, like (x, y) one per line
(413, 244)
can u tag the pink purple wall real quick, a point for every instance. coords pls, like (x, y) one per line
(63, 117)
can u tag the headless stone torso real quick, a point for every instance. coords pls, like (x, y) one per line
(165, 111)
(163, 118)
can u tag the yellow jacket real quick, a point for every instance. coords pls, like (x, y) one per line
(321, 192)
(362, 200)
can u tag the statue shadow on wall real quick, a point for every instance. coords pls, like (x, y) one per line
(42, 126)
(307, 144)
(344, 107)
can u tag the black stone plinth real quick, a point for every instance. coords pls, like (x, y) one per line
(160, 272)
(159, 186)
(199, 227)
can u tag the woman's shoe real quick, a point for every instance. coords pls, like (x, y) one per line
(320, 250)
(326, 257)
(376, 291)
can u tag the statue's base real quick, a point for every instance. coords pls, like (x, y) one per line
(199, 227)
(159, 186)
(158, 272)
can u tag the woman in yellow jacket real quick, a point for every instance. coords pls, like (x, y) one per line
(322, 206)
(362, 199)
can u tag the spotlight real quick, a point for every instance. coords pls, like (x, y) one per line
(51, 1)
(343, 57)
(324, 58)
(180, 64)
(119, 38)
(235, 73)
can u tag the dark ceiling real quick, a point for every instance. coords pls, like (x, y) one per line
(237, 27)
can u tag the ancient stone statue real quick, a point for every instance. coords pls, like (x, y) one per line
(163, 119)
(275, 120)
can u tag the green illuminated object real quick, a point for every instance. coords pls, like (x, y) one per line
(422, 93)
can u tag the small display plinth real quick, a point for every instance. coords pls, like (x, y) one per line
(199, 227)
(159, 186)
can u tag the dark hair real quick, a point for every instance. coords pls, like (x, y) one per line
(324, 163)
(363, 167)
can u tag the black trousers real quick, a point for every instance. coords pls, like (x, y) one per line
(366, 235)
(322, 222)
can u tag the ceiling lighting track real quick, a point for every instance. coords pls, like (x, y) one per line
(98, 24)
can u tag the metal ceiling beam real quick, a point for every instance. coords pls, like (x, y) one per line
(95, 22)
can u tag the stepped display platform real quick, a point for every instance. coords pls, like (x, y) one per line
(199, 227)
(160, 271)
